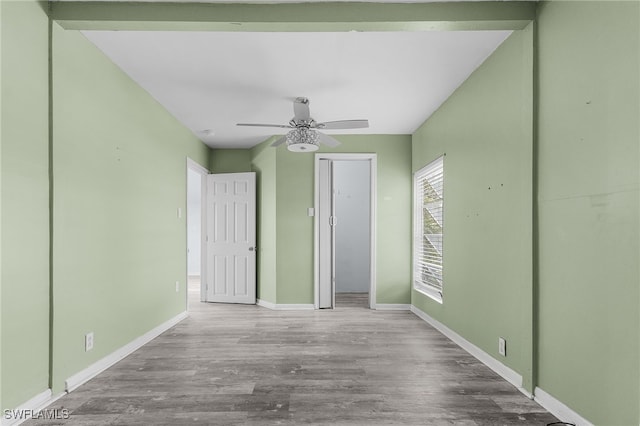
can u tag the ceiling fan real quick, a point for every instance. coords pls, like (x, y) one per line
(304, 136)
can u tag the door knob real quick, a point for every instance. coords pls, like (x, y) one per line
(253, 248)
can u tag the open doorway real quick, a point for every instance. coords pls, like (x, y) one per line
(196, 181)
(352, 191)
(345, 230)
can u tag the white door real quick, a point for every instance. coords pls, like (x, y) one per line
(231, 238)
(327, 221)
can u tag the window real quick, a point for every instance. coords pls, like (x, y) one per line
(428, 229)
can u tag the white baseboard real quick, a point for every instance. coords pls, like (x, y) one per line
(96, 368)
(507, 373)
(285, 306)
(558, 409)
(392, 307)
(265, 304)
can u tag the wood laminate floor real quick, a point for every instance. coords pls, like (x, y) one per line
(352, 300)
(248, 365)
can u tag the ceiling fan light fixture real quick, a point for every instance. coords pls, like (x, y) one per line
(302, 139)
(305, 136)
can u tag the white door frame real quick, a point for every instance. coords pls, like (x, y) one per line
(373, 161)
(203, 172)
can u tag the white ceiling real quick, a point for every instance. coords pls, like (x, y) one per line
(213, 80)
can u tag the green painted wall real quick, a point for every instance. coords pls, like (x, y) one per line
(119, 176)
(485, 130)
(285, 231)
(118, 179)
(264, 164)
(25, 202)
(230, 160)
(588, 182)
(294, 183)
(300, 17)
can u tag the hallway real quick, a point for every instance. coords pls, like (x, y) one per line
(238, 365)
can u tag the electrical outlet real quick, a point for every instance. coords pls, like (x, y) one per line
(502, 346)
(88, 342)
(177, 286)
(179, 212)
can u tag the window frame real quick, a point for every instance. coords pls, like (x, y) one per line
(418, 234)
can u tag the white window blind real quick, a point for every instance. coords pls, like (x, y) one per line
(429, 228)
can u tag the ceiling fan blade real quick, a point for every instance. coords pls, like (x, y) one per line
(301, 110)
(281, 126)
(279, 141)
(328, 140)
(344, 124)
